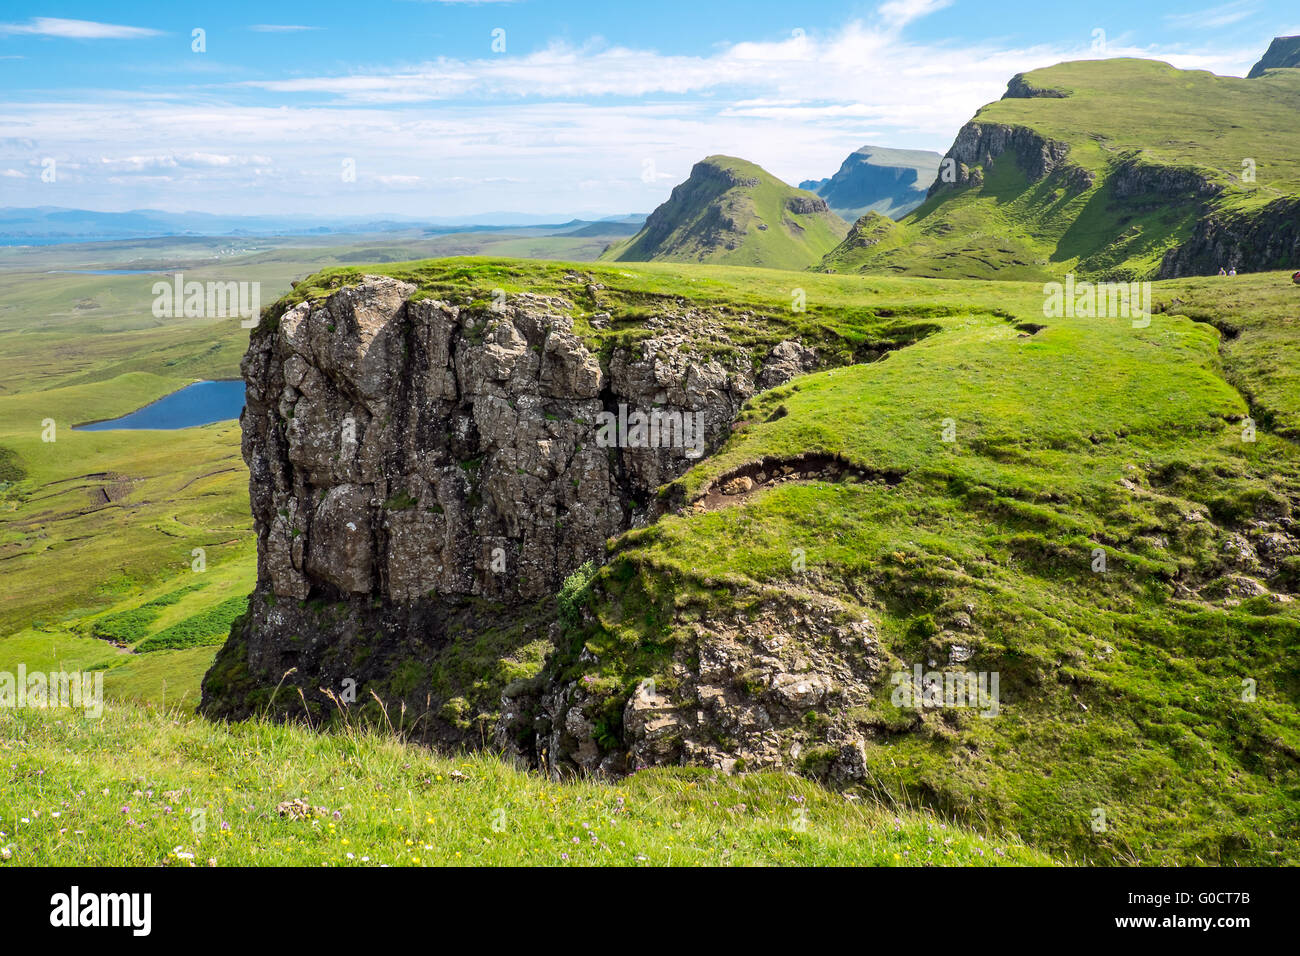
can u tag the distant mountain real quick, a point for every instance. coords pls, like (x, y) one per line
(891, 182)
(46, 224)
(1115, 169)
(602, 227)
(1282, 53)
(734, 212)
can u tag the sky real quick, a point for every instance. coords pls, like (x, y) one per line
(432, 108)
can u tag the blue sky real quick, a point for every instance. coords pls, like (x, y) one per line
(403, 106)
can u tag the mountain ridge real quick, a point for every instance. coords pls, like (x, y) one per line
(1114, 169)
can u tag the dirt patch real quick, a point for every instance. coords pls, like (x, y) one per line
(748, 480)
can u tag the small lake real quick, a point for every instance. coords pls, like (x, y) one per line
(199, 404)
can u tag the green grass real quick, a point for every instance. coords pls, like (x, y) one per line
(1120, 690)
(210, 626)
(1005, 519)
(148, 787)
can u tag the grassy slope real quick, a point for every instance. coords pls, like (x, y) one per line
(789, 241)
(1131, 109)
(1005, 520)
(1119, 692)
(132, 787)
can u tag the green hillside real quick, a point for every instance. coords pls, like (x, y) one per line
(732, 212)
(1158, 688)
(1122, 690)
(1113, 169)
(151, 787)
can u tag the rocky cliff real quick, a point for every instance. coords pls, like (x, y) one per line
(979, 145)
(1282, 53)
(424, 476)
(891, 182)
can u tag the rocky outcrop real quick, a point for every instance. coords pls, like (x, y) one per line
(981, 144)
(740, 698)
(806, 205)
(420, 470)
(1282, 53)
(1133, 180)
(1266, 239)
(1019, 88)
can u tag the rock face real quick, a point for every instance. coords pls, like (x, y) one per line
(1268, 239)
(419, 470)
(1283, 52)
(741, 697)
(891, 182)
(1019, 88)
(980, 144)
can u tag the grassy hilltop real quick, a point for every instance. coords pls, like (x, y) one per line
(733, 212)
(1142, 153)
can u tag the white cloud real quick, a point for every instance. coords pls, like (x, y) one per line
(899, 13)
(862, 64)
(77, 29)
(562, 130)
(1215, 17)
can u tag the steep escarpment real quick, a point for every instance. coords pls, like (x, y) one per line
(425, 475)
(1282, 53)
(1058, 176)
(980, 145)
(890, 182)
(1254, 241)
